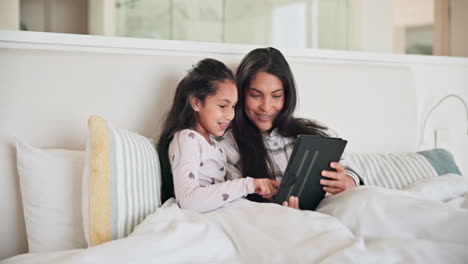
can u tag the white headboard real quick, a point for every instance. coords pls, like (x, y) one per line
(51, 83)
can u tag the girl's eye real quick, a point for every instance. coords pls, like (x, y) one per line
(222, 106)
(255, 95)
(277, 96)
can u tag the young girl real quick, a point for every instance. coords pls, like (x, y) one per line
(193, 163)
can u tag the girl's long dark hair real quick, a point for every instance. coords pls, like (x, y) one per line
(254, 158)
(201, 81)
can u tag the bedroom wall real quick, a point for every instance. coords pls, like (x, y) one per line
(51, 83)
(433, 82)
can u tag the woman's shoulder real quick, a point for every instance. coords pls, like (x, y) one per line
(228, 142)
(227, 138)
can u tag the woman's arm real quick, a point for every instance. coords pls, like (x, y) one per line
(349, 167)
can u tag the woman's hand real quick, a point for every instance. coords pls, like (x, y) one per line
(293, 202)
(266, 187)
(339, 180)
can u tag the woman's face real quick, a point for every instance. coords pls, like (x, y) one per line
(264, 100)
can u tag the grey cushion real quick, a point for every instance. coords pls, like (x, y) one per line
(442, 161)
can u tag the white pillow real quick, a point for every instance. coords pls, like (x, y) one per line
(50, 181)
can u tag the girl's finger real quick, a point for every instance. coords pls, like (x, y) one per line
(276, 184)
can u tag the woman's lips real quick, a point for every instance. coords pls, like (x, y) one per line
(264, 118)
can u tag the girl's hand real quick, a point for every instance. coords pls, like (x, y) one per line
(293, 202)
(339, 180)
(266, 187)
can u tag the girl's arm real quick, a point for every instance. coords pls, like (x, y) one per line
(185, 157)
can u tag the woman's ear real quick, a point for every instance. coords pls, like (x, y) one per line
(195, 103)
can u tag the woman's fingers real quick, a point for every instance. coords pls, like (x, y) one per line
(332, 190)
(338, 174)
(338, 167)
(293, 202)
(336, 181)
(332, 175)
(332, 183)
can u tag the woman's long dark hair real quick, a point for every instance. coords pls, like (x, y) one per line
(201, 81)
(254, 158)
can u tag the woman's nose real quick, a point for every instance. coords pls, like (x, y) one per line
(265, 105)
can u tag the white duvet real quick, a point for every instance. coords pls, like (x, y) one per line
(426, 223)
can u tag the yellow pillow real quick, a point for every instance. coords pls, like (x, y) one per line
(121, 182)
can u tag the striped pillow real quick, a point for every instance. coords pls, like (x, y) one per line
(121, 182)
(392, 170)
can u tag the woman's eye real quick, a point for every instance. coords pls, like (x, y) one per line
(255, 95)
(222, 106)
(277, 96)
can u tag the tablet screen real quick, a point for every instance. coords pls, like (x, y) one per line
(311, 155)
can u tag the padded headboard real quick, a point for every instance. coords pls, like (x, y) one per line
(51, 83)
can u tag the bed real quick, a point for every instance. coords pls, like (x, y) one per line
(413, 210)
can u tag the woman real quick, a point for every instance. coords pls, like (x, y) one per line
(264, 131)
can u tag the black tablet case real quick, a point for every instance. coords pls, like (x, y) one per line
(311, 155)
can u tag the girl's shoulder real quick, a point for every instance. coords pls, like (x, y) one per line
(187, 136)
(190, 137)
(187, 133)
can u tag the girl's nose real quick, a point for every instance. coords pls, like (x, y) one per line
(230, 114)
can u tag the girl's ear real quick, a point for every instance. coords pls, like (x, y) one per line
(195, 103)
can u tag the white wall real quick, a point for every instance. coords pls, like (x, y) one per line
(433, 82)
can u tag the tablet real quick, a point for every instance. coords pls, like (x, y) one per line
(311, 155)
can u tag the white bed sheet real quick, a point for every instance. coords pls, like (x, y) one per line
(427, 223)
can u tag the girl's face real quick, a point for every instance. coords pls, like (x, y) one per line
(215, 114)
(264, 100)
